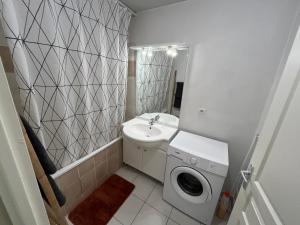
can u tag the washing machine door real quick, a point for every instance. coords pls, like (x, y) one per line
(191, 185)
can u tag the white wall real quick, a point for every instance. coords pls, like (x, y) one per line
(236, 47)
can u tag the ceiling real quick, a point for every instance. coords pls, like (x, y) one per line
(140, 5)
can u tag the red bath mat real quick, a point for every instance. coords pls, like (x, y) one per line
(101, 205)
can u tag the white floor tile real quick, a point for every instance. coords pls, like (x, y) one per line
(128, 211)
(150, 216)
(171, 222)
(182, 219)
(143, 186)
(113, 221)
(128, 173)
(156, 201)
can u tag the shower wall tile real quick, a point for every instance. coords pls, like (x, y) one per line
(101, 171)
(113, 149)
(86, 166)
(100, 157)
(72, 194)
(113, 164)
(88, 181)
(68, 178)
(78, 183)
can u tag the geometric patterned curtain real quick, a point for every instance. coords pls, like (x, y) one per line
(70, 57)
(152, 80)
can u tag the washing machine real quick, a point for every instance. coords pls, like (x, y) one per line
(195, 172)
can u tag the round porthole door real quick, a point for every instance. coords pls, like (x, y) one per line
(190, 184)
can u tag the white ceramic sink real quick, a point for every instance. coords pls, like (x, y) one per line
(144, 134)
(164, 118)
(138, 131)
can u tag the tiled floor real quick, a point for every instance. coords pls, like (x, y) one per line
(145, 205)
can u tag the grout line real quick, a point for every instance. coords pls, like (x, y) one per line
(144, 202)
(138, 197)
(169, 216)
(137, 213)
(150, 193)
(169, 219)
(117, 220)
(156, 210)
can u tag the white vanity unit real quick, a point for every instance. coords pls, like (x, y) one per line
(146, 149)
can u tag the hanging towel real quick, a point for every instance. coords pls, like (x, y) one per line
(45, 161)
(178, 94)
(57, 192)
(39, 149)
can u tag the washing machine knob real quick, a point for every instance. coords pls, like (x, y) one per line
(193, 161)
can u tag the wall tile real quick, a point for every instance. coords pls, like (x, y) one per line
(78, 183)
(63, 210)
(113, 164)
(120, 152)
(86, 166)
(69, 206)
(88, 181)
(113, 149)
(73, 195)
(101, 180)
(100, 157)
(73, 190)
(68, 178)
(101, 171)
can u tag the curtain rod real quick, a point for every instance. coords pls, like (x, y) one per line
(130, 10)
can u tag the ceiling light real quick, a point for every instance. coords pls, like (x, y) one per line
(149, 53)
(169, 51)
(144, 51)
(172, 52)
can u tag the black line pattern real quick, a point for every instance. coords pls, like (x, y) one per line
(70, 57)
(152, 80)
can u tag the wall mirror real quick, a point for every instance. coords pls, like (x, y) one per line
(156, 76)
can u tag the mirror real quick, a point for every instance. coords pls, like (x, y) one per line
(155, 82)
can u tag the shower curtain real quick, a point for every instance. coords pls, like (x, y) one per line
(70, 57)
(152, 80)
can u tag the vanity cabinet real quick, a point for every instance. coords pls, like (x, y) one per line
(154, 163)
(132, 154)
(149, 161)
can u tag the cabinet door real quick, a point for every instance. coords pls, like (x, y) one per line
(154, 163)
(132, 154)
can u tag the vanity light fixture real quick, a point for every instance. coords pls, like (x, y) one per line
(174, 53)
(144, 51)
(171, 51)
(149, 52)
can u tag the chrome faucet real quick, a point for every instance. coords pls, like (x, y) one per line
(154, 119)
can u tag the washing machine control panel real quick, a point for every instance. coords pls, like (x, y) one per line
(193, 160)
(199, 162)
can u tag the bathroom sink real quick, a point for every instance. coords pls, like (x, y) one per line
(164, 118)
(144, 134)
